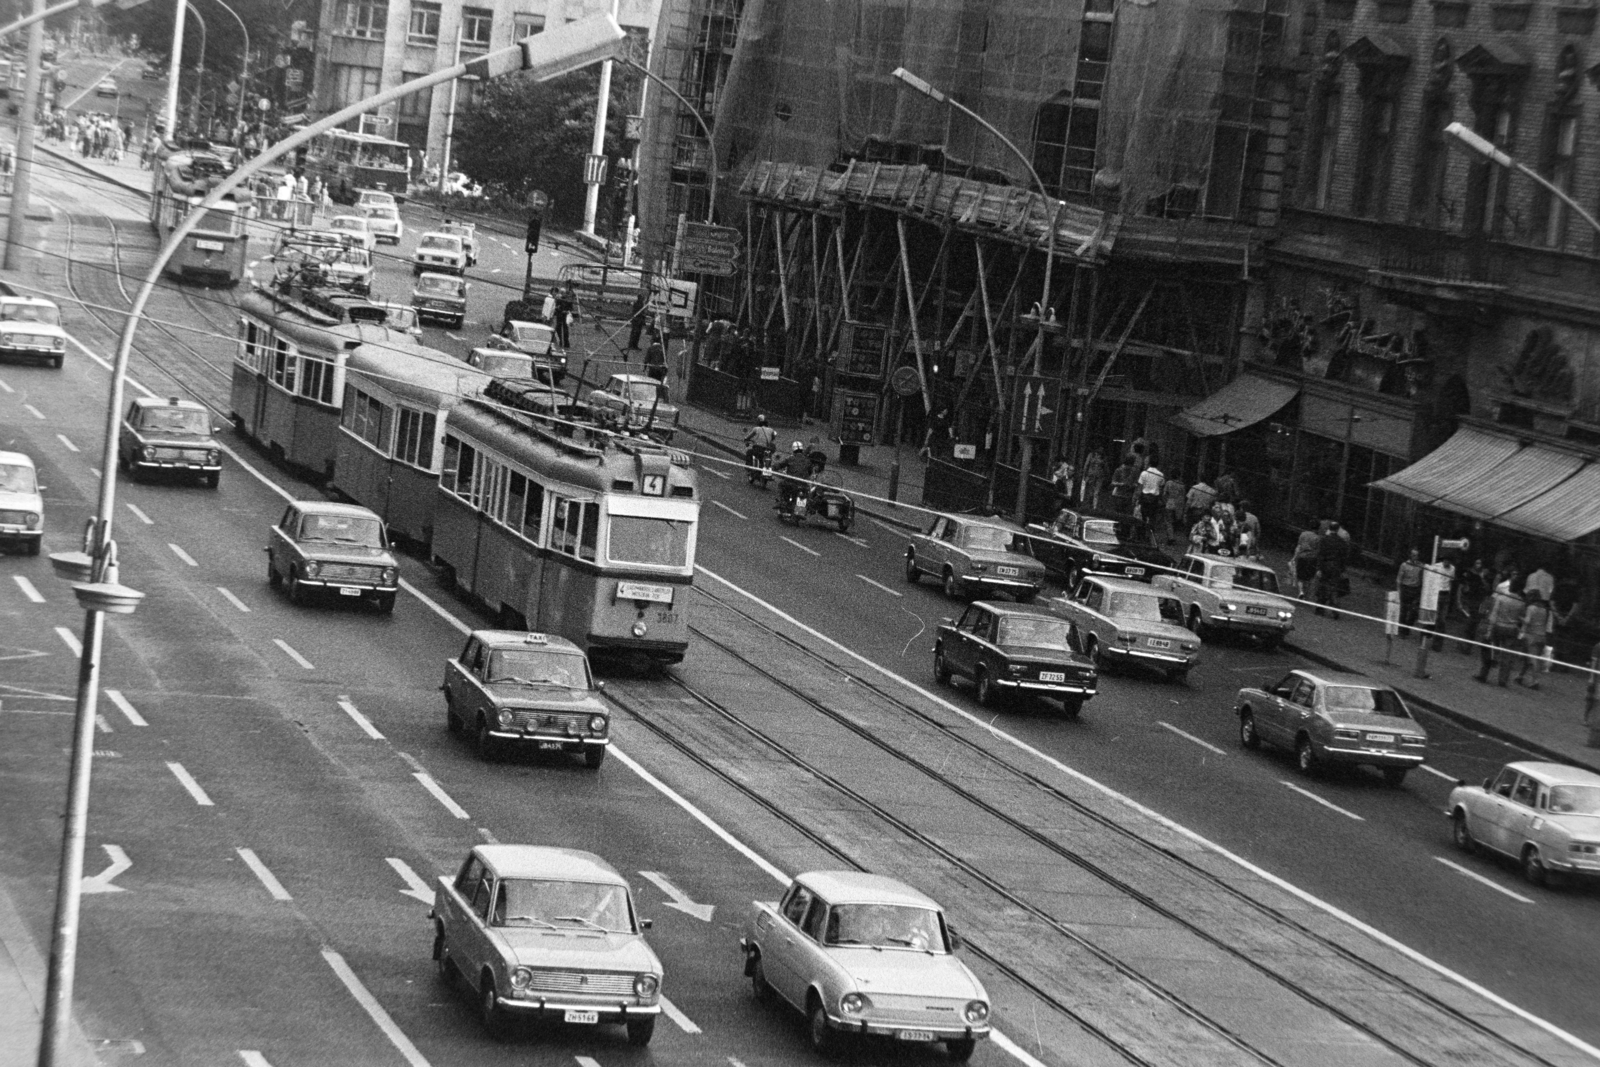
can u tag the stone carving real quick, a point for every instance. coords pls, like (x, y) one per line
(1540, 371)
(1343, 345)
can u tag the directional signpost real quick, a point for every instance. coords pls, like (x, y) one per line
(707, 249)
(1038, 404)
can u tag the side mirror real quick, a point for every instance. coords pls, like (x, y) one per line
(1486, 783)
(955, 938)
(646, 924)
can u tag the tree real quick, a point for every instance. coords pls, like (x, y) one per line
(527, 135)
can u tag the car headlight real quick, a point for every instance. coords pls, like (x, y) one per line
(597, 724)
(854, 1003)
(1285, 614)
(212, 456)
(59, 344)
(639, 629)
(1584, 847)
(504, 718)
(1126, 639)
(148, 452)
(976, 1011)
(976, 566)
(1015, 668)
(32, 519)
(311, 569)
(521, 978)
(390, 574)
(646, 985)
(1229, 607)
(1189, 646)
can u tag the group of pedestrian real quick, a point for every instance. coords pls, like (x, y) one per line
(1321, 555)
(91, 136)
(1514, 625)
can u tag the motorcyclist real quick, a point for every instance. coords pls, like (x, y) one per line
(760, 440)
(795, 471)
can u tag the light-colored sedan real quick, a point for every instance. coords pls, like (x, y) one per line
(321, 547)
(353, 230)
(975, 556)
(1224, 593)
(384, 221)
(864, 954)
(634, 402)
(1546, 816)
(441, 253)
(21, 502)
(1327, 717)
(1127, 621)
(547, 933)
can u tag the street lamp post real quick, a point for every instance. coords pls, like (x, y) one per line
(174, 68)
(244, 67)
(547, 55)
(1484, 147)
(199, 72)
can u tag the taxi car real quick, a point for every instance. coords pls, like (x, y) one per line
(546, 933)
(30, 328)
(1077, 543)
(442, 297)
(1225, 593)
(634, 402)
(468, 232)
(1546, 816)
(969, 554)
(864, 954)
(1015, 648)
(1122, 620)
(319, 546)
(171, 435)
(21, 502)
(537, 340)
(439, 252)
(1328, 717)
(353, 230)
(383, 220)
(510, 686)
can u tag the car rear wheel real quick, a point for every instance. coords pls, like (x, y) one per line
(1461, 833)
(912, 574)
(1305, 757)
(593, 757)
(641, 1030)
(941, 669)
(987, 694)
(758, 981)
(1248, 738)
(1395, 777)
(444, 966)
(961, 1048)
(452, 721)
(274, 579)
(844, 524)
(33, 546)
(1091, 648)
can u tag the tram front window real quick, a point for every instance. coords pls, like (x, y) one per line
(533, 666)
(656, 542)
(217, 220)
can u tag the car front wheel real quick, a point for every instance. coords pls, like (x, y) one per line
(1305, 757)
(912, 574)
(1073, 706)
(1461, 834)
(758, 981)
(485, 741)
(593, 757)
(823, 1040)
(987, 694)
(961, 1048)
(1533, 868)
(952, 586)
(641, 1030)
(494, 1019)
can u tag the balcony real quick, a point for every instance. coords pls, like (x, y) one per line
(1441, 265)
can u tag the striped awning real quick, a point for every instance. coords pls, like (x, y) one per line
(1565, 513)
(1468, 456)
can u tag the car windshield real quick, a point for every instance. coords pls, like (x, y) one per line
(637, 392)
(884, 926)
(347, 222)
(1575, 799)
(437, 243)
(447, 286)
(1258, 578)
(1360, 698)
(343, 529)
(380, 211)
(459, 229)
(503, 364)
(45, 313)
(657, 542)
(15, 478)
(400, 318)
(990, 539)
(175, 420)
(370, 199)
(1100, 531)
(538, 666)
(1144, 606)
(1035, 632)
(354, 256)
(534, 334)
(563, 905)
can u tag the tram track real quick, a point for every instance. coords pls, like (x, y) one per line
(1413, 1023)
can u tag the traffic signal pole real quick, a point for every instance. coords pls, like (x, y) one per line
(22, 184)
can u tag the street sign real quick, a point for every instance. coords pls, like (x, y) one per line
(966, 451)
(720, 268)
(771, 374)
(1038, 403)
(863, 346)
(706, 233)
(906, 382)
(263, 104)
(594, 170)
(707, 249)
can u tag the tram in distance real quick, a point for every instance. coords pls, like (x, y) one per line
(214, 252)
(348, 162)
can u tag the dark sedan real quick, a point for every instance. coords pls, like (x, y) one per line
(1078, 543)
(1015, 648)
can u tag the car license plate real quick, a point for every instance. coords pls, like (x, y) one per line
(1160, 642)
(574, 1016)
(1052, 676)
(345, 590)
(549, 746)
(1009, 572)
(1251, 609)
(1134, 572)
(1385, 738)
(210, 246)
(914, 1035)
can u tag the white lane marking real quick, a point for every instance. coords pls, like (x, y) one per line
(181, 554)
(431, 604)
(798, 545)
(1330, 805)
(101, 883)
(6, 388)
(415, 888)
(252, 1058)
(101, 724)
(140, 515)
(1476, 877)
(230, 598)
(1150, 813)
(587, 1061)
(66, 442)
(1191, 737)
(268, 879)
(1005, 1044)
(35, 412)
(27, 589)
(440, 795)
(880, 585)
(70, 639)
(862, 541)
(713, 470)
(127, 709)
(292, 654)
(1452, 779)
(370, 1003)
(674, 1013)
(187, 781)
(452, 336)
(730, 511)
(360, 720)
(95, 471)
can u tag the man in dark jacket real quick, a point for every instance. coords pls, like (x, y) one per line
(1333, 555)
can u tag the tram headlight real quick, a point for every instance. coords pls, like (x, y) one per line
(639, 628)
(597, 724)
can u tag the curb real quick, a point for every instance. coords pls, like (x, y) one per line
(78, 163)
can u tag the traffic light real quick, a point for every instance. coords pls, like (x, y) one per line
(535, 224)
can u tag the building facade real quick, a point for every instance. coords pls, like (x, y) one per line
(365, 46)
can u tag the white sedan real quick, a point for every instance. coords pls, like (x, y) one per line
(384, 221)
(353, 230)
(1546, 816)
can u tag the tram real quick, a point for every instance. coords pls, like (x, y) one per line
(391, 433)
(349, 162)
(214, 252)
(594, 542)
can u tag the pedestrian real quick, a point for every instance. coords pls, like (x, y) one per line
(655, 358)
(1408, 580)
(1173, 495)
(1249, 532)
(1533, 634)
(1201, 497)
(1206, 535)
(1542, 582)
(1063, 481)
(281, 195)
(1446, 572)
(1227, 488)
(1150, 482)
(1094, 479)
(1122, 484)
(566, 310)
(1333, 554)
(1472, 588)
(1502, 621)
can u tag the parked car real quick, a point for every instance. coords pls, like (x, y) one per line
(546, 933)
(354, 230)
(172, 435)
(1078, 543)
(442, 297)
(969, 554)
(384, 221)
(1546, 816)
(861, 954)
(21, 502)
(1225, 593)
(468, 232)
(319, 546)
(30, 328)
(439, 252)
(536, 339)
(1015, 649)
(634, 402)
(1126, 621)
(510, 687)
(1328, 717)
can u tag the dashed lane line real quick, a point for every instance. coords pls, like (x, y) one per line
(730, 511)
(683, 1022)
(70, 639)
(719, 474)
(370, 1004)
(127, 709)
(1330, 805)
(35, 412)
(4, 388)
(230, 598)
(266, 876)
(66, 442)
(181, 554)
(862, 541)
(1452, 779)
(252, 1058)
(440, 795)
(101, 724)
(1191, 737)
(880, 585)
(186, 780)
(292, 654)
(801, 547)
(27, 589)
(360, 720)
(1480, 879)
(139, 514)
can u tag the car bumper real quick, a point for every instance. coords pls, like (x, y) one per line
(1249, 624)
(546, 1007)
(1154, 657)
(31, 351)
(1010, 585)
(364, 587)
(176, 465)
(20, 533)
(853, 1025)
(551, 742)
(1058, 688)
(1376, 757)
(1584, 868)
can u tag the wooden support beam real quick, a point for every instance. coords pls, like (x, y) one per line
(1122, 341)
(916, 331)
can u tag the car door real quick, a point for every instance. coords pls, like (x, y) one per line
(811, 959)
(1489, 817)
(281, 544)
(456, 686)
(780, 946)
(474, 689)
(958, 649)
(1092, 603)
(1273, 718)
(473, 948)
(1517, 815)
(1298, 711)
(452, 908)
(985, 628)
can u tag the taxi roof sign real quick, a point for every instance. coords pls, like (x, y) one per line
(536, 639)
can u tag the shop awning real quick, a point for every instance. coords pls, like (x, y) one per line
(1468, 456)
(1569, 511)
(1532, 472)
(1243, 402)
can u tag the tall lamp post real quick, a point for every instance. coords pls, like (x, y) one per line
(938, 96)
(244, 67)
(1484, 147)
(169, 113)
(199, 72)
(547, 55)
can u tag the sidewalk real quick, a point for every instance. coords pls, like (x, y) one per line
(1548, 722)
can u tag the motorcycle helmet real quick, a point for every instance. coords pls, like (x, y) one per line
(797, 447)
(761, 420)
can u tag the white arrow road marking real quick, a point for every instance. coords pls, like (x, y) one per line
(360, 719)
(1309, 795)
(801, 547)
(140, 515)
(181, 554)
(27, 589)
(101, 724)
(101, 883)
(35, 412)
(187, 781)
(1476, 877)
(880, 585)
(292, 654)
(66, 442)
(370, 1003)
(440, 795)
(415, 886)
(13, 652)
(230, 598)
(260, 870)
(680, 900)
(116, 697)
(252, 1058)
(1192, 737)
(730, 511)
(70, 639)
(673, 1012)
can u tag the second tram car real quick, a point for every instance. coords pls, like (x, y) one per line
(214, 252)
(349, 162)
(595, 544)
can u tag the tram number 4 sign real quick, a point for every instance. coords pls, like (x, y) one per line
(1037, 403)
